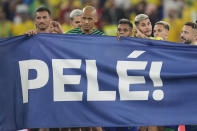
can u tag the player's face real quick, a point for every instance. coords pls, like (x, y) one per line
(145, 27)
(124, 30)
(42, 20)
(76, 22)
(187, 35)
(160, 31)
(88, 21)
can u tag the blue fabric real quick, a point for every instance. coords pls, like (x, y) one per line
(120, 128)
(174, 104)
(191, 127)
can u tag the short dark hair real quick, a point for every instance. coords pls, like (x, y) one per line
(191, 24)
(165, 24)
(40, 9)
(125, 21)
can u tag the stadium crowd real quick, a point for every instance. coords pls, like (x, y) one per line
(16, 16)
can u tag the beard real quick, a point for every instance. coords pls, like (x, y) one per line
(188, 42)
(86, 30)
(146, 33)
(185, 41)
(41, 27)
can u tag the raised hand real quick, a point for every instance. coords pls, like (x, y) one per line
(56, 27)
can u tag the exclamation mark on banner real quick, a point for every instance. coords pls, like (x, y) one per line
(154, 74)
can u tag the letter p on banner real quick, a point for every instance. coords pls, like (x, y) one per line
(41, 79)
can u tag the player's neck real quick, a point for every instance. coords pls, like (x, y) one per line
(87, 31)
(43, 31)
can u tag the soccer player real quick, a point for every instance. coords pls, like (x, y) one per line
(161, 29)
(143, 26)
(88, 20)
(143, 29)
(189, 33)
(125, 28)
(75, 17)
(42, 21)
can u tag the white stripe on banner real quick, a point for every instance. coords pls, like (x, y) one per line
(136, 53)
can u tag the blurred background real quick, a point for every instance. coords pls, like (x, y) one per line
(16, 16)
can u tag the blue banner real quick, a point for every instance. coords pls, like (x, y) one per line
(52, 80)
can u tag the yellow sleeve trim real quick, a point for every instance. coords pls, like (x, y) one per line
(155, 38)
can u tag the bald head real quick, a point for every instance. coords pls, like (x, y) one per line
(89, 18)
(89, 10)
